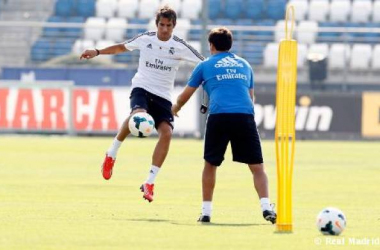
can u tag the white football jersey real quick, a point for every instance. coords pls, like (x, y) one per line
(159, 62)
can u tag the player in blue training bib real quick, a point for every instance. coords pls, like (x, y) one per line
(228, 81)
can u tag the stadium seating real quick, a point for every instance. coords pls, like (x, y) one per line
(191, 9)
(64, 8)
(338, 56)
(109, 21)
(339, 10)
(271, 55)
(115, 29)
(175, 4)
(376, 57)
(95, 28)
(267, 35)
(233, 8)
(253, 52)
(361, 56)
(307, 32)
(319, 48)
(195, 34)
(254, 9)
(148, 8)
(106, 8)
(361, 11)
(85, 8)
(81, 45)
(136, 21)
(275, 9)
(182, 28)
(300, 8)
(127, 8)
(302, 54)
(376, 11)
(318, 10)
(101, 44)
(214, 9)
(280, 30)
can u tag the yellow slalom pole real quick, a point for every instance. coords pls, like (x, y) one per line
(285, 136)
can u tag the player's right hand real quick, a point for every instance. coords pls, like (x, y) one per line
(88, 54)
(175, 109)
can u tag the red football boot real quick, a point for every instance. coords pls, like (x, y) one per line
(147, 189)
(107, 167)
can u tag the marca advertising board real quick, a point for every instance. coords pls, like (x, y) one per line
(64, 108)
(74, 110)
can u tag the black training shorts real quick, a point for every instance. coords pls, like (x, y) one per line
(159, 108)
(240, 130)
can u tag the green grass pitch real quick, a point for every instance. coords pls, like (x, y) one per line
(52, 196)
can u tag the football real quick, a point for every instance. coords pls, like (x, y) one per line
(331, 221)
(141, 124)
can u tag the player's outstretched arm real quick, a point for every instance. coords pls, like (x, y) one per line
(111, 50)
(182, 99)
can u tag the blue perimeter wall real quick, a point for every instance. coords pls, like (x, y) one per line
(81, 77)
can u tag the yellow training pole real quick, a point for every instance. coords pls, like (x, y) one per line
(285, 136)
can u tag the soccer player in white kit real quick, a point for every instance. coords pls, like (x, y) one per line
(160, 55)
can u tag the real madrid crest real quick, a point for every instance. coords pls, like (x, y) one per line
(171, 51)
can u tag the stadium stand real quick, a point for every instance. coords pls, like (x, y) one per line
(340, 10)
(175, 4)
(190, 9)
(307, 32)
(115, 29)
(302, 54)
(338, 56)
(361, 56)
(148, 8)
(256, 13)
(106, 8)
(127, 8)
(97, 23)
(318, 10)
(376, 57)
(376, 11)
(361, 11)
(301, 8)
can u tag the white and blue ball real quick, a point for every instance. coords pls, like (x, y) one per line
(141, 124)
(331, 221)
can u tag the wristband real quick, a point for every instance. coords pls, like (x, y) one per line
(97, 52)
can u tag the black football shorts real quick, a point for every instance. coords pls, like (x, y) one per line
(240, 130)
(159, 108)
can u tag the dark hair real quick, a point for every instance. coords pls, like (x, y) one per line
(166, 12)
(221, 38)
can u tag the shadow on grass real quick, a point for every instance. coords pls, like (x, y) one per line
(149, 220)
(211, 224)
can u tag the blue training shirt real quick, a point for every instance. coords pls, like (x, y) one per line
(227, 79)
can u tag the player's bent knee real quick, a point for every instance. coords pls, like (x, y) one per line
(165, 130)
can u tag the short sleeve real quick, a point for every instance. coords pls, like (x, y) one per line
(251, 84)
(196, 77)
(190, 54)
(134, 43)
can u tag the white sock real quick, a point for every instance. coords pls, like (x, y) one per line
(265, 204)
(152, 174)
(207, 208)
(112, 151)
